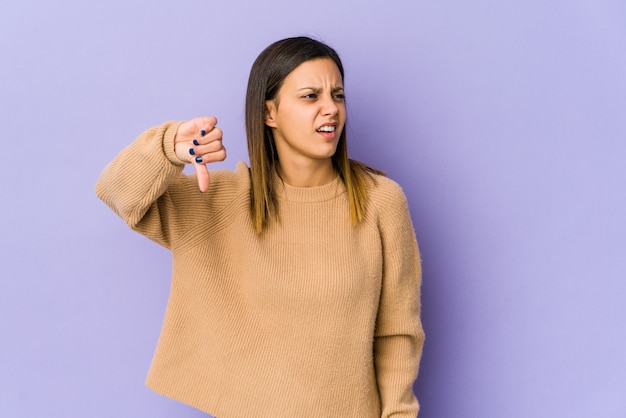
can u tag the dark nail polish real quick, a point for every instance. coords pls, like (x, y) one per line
(191, 151)
(198, 160)
(202, 132)
(195, 142)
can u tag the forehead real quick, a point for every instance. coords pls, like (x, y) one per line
(315, 72)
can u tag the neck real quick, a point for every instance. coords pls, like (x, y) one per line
(311, 174)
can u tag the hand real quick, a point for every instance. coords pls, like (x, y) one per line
(199, 142)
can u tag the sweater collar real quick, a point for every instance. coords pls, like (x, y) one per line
(322, 193)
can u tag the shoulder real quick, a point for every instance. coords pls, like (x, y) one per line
(230, 179)
(227, 198)
(388, 211)
(225, 185)
(387, 207)
(384, 192)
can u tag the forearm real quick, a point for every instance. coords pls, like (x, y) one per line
(140, 174)
(397, 359)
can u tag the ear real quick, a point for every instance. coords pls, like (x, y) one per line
(270, 113)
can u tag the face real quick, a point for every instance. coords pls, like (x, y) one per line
(309, 113)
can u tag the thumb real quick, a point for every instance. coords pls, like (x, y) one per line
(202, 173)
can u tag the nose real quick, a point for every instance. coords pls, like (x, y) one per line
(329, 106)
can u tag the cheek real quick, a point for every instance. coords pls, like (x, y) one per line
(342, 113)
(302, 115)
(341, 106)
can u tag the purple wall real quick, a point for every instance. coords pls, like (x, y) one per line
(505, 122)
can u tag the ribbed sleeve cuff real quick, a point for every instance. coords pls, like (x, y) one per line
(168, 143)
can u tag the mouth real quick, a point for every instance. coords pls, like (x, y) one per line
(330, 128)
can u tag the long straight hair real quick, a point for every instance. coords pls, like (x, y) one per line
(268, 72)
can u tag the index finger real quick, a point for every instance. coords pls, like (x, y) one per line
(206, 124)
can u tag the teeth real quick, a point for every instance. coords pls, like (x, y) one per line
(328, 128)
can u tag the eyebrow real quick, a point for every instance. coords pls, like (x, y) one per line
(317, 89)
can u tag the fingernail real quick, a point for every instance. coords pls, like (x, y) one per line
(191, 151)
(195, 142)
(202, 132)
(198, 160)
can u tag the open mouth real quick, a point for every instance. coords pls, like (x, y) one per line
(327, 128)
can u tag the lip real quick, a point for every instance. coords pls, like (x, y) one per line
(328, 135)
(327, 124)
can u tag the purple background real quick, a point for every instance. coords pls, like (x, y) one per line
(504, 121)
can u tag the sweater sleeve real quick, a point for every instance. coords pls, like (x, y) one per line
(134, 184)
(399, 335)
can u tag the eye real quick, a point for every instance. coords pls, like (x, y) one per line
(340, 96)
(311, 96)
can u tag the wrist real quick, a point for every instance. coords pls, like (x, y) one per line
(169, 144)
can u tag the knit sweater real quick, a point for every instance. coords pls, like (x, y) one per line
(313, 317)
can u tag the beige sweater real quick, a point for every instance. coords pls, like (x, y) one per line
(314, 317)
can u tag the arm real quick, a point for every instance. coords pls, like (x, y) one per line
(136, 183)
(399, 336)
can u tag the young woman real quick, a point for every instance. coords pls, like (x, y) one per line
(296, 281)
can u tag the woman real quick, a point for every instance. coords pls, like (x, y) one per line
(295, 289)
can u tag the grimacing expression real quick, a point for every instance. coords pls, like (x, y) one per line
(309, 112)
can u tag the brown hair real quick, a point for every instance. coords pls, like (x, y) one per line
(268, 72)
